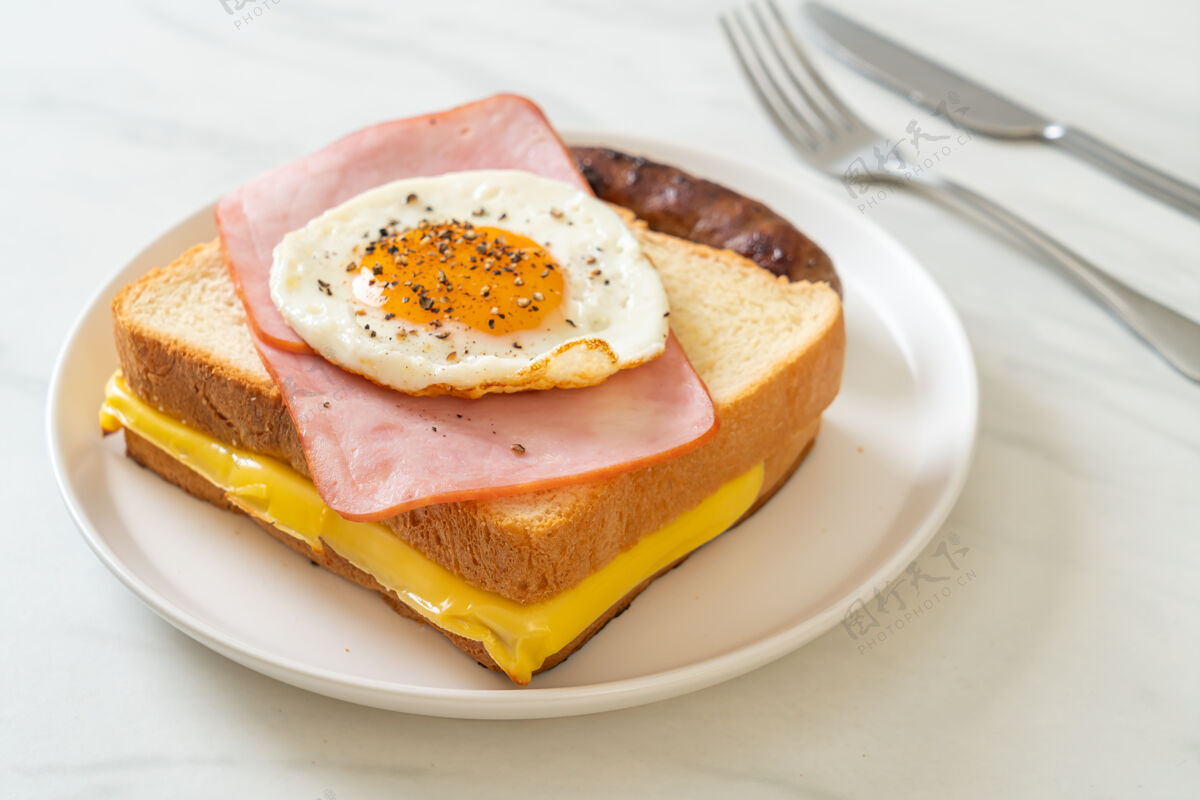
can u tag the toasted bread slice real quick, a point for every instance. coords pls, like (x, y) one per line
(769, 351)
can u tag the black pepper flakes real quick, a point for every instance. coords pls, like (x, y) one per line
(518, 448)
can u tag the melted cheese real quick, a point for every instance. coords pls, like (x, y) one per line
(518, 637)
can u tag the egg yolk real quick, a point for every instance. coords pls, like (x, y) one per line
(489, 279)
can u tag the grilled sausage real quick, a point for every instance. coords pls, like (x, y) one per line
(679, 204)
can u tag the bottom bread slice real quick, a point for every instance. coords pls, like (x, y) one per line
(778, 467)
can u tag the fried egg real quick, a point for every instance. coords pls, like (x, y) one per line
(472, 282)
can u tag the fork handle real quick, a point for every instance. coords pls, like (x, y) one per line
(1174, 336)
(1136, 173)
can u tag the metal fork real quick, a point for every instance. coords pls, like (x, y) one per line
(831, 137)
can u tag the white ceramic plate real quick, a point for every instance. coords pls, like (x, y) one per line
(891, 459)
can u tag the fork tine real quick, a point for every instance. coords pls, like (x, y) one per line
(850, 119)
(791, 123)
(771, 61)
(797, 85)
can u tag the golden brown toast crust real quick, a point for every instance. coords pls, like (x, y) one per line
(779, 466)
(526, 548)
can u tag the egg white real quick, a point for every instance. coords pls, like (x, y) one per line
(612, 296)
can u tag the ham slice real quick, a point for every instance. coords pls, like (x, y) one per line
(374, 452)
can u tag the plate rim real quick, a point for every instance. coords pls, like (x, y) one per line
(551, 701)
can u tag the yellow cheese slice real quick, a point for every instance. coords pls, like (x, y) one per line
(518, 637)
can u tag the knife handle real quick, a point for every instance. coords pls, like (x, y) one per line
(1174, 336)
(1136, 173)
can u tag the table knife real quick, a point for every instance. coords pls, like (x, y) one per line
(977, 108)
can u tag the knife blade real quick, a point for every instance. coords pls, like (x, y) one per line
(924, 81)
(980, 109)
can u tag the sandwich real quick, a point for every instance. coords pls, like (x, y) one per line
(431, 359)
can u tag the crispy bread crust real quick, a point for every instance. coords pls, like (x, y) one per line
(779, 466)
(232, 403)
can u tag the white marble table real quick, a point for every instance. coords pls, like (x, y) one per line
(1068, 665)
